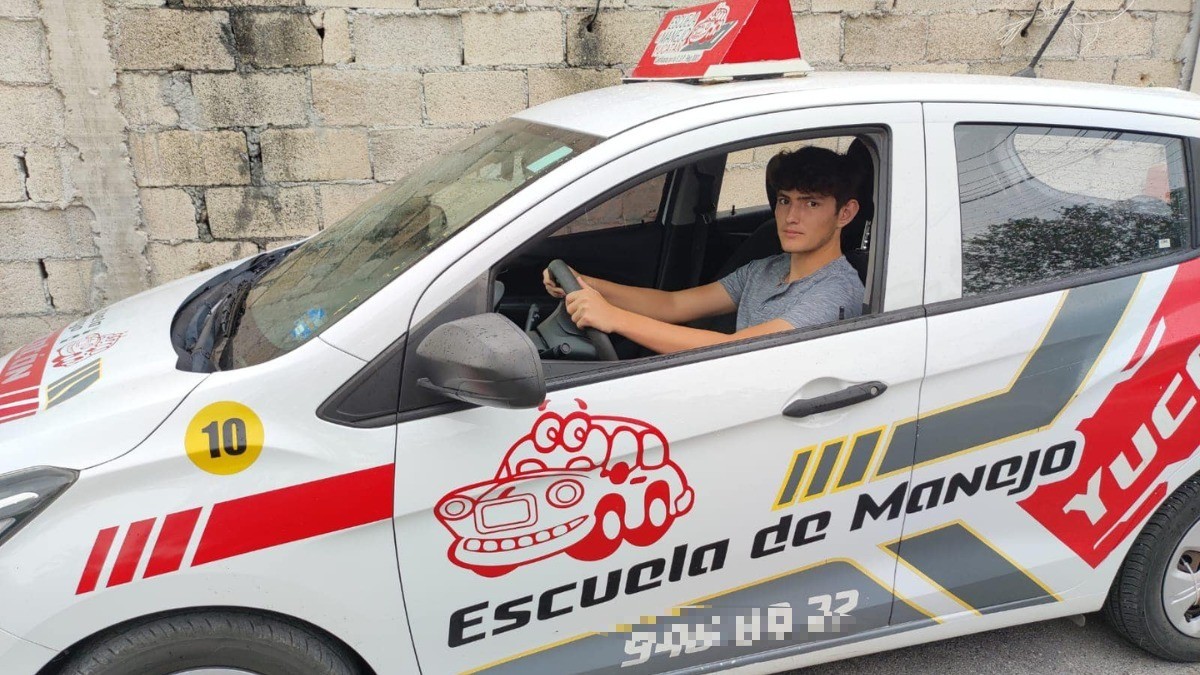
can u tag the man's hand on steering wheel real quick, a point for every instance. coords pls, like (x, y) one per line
(585, 307)
(589, 309)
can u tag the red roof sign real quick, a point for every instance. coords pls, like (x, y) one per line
(728, 38)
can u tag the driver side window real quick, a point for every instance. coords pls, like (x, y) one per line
(690, 226)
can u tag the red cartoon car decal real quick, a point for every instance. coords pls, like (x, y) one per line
(579, 485)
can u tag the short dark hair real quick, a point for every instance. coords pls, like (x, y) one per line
(812, 169)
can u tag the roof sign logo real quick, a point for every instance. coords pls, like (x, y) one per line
(724, 39)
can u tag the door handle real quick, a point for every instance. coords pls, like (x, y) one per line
(839, 399)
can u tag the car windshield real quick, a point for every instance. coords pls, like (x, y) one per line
(329, 275)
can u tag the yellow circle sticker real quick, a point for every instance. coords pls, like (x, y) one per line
(224, 438)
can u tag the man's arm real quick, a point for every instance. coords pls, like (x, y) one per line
(663, 306)
(589, 309)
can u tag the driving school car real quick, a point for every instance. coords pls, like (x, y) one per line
(386, 449)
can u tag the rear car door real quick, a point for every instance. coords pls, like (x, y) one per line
(665, 513)
(1061, 279)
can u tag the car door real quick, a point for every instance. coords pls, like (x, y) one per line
(1059, 249)
(668, 512)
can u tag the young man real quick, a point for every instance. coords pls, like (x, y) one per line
(809, 283)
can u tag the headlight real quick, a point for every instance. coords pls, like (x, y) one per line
(25, 493)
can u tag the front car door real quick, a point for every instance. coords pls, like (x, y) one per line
(663, 513)
(1057, 392)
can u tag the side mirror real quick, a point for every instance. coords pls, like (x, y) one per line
(483, 359)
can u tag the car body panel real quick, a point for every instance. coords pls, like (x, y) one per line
(109, 375)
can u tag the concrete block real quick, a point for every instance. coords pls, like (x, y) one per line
(251, 100)
(938, 68)
(1148, 73)
(551, 83)
(18, 331)
(927, 6)
(24, 57)
(366, 98)
(396, 152)
(1064, 46)
(335, 45)
(12, 178)
(1126, 35)
(1099, 6)
(172, 39)
(189, 158)
(467, 98)
(1100, 70)
(36, 233)
(144, 100)
(998, 68)
(229, 4)
(616, 37)
(20, 8)
(492, 39)
(240, 213)
(339, 200)
(30, 115)
(426, 40)
(965, 37)
(1170, 34)
(276, 39)
(45, 181)
(576, 4)
(843, 6)
(21, 285)
(1163, 5)
(820, 37)
(168, 214)
(175, 261)
(315, 154)
(885, 40)
(365, 4)
(69, 283)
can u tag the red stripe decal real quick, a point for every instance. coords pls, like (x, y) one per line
(131, 552)
(26, 411)
(23, 396)
(298, 512)
(95, 561)
(172, 542)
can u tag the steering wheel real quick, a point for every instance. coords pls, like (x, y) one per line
(560, 321)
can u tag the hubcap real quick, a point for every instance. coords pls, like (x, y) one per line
(1181, 587)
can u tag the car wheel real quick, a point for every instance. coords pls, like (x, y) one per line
(1155, 600)
(212, 643)
(605, 535)
(656, 518)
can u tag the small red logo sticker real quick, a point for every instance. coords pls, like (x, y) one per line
(85, 347)
(580, 484)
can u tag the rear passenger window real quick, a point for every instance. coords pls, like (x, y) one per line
(1043, 203)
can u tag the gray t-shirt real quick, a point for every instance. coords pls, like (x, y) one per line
(831, 293)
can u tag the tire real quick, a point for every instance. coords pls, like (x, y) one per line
(1136, 605)
(215, 639)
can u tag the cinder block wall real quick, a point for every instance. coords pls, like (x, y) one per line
(144, 140)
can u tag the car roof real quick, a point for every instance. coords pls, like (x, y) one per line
(610, 111)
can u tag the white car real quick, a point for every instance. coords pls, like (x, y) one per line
(383, 451)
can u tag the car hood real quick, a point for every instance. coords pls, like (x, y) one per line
(95, 389)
